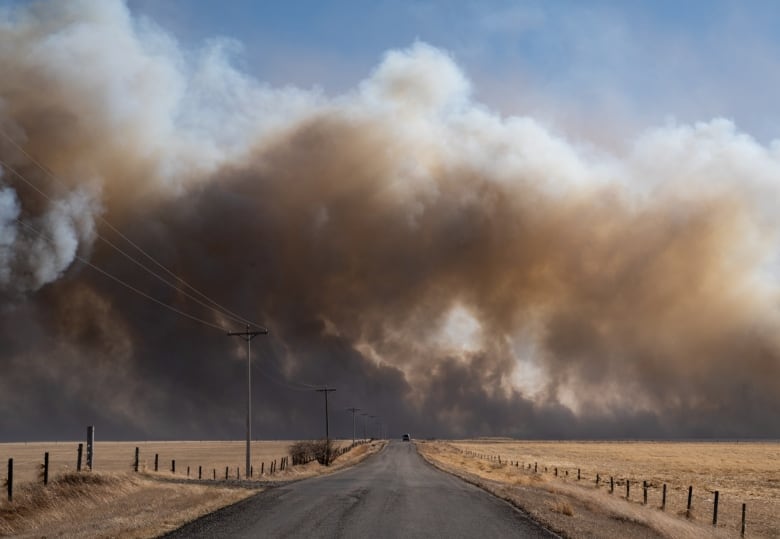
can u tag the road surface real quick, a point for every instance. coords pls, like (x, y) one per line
(394, 493)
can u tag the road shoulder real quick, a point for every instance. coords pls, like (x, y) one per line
(564, 508)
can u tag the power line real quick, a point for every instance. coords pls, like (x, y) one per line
(223, 311)
(123, 283)
(295, 386)
(214, 305)
(301, 386)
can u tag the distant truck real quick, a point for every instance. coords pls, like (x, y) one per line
(406, 438)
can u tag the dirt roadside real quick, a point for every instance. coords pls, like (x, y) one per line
(563, 507)
(139, 505)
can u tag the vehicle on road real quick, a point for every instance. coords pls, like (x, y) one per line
(406, 438)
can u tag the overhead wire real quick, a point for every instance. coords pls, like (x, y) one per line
(127, 255)
(295, 386)
(209, 303)
(120, 281)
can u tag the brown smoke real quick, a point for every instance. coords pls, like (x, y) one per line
(454, 272)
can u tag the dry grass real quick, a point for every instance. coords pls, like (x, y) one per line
(118, 457)
(748, 472)
(110, 505)
(562, 507)
(113, 501)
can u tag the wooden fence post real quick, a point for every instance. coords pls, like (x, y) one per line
(628, 488)
(598, 478)
(156, 461)
(742, 532)
(578, 474)
(715, 509)
(644, 492)
(90, 446)
(690, 499)
(611, 484)
(262, 468)
(78, 460)
(238, 474)
(10, 484)
(200, 472)
(173, 465)
(215, 473)
(135, 462)
(535, 468)
(46, 468)
(188, 472)
(663, 499)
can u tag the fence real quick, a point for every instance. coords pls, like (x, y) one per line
(37, 467)
(659, 490)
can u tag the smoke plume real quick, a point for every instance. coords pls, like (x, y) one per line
(453, 271)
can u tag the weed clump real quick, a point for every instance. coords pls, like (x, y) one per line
(323, 451)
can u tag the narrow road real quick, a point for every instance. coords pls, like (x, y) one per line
(394, 493)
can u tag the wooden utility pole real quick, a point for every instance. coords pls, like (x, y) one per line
(326, 390)
(353, 410)
(248, 336)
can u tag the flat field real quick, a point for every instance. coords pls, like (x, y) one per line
(117, 457)
(742, 472)
(113, 501)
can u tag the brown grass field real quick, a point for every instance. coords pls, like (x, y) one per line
(746, 472)
(118, 457)
(114, 501)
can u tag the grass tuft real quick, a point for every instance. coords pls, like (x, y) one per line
(562, 507)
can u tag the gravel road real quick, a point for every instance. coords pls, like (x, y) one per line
(394, 493)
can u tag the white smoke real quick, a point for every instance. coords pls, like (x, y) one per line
(58, 235)
(9, 212)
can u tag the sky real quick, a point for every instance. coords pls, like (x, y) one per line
(633, 64)
(528, 219)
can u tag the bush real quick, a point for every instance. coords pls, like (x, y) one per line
(306, 451)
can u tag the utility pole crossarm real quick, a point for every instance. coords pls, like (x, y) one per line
(248, 335)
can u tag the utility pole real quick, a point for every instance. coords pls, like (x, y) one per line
(353, 410)
(326, 390)
(248, 336)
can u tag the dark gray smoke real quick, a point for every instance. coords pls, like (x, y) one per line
(452, 271)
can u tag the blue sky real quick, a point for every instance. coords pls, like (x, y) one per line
(629, 64)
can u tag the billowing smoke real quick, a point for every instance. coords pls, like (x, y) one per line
(450, 270)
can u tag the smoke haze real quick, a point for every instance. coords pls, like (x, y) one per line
(455, 272)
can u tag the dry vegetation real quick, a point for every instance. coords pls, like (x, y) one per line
(742, 472)
(113, 501)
